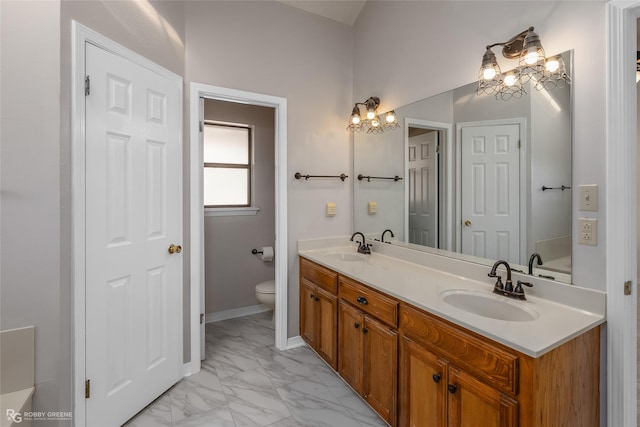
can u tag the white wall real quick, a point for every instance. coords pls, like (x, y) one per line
(274, 49)
(405, 51)
(30, 174)
(231, 270)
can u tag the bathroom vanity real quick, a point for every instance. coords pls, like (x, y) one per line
(388, 325)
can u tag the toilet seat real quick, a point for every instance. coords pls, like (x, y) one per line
(268, 287)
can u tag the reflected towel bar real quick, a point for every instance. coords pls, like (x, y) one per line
(342, 176)
(564, 187)
(369, 178)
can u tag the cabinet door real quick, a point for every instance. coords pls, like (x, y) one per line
(307, 312)
(381, 368)
(476, 404)
(327, 332)
(423, 387)
(350, 345)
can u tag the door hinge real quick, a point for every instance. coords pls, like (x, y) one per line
(87, 86)
(201, 318)
(627, 287)
(201, 127)
(87, 389)
(519, 144)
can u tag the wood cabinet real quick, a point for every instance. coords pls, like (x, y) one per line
(418, 370)
(319, 310)
(451, 377)
(367, 347)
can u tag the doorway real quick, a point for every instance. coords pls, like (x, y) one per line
(198, 92)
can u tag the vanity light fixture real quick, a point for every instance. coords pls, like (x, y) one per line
(532, 65)
(371, 121)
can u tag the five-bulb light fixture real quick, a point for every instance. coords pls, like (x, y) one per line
(371, 121)
(532, 65)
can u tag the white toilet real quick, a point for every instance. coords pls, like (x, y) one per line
(266, 293)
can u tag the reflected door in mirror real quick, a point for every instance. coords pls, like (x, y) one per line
(423, 189)
(490, 191)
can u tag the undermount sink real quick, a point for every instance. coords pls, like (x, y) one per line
(489, 305)
(345, 256)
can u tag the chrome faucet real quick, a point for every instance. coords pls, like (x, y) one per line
(507, 288)
(384, 232)
(363, 248)
(533, 257)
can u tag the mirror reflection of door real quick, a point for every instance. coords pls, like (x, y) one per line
(490, 193)
(423, 187)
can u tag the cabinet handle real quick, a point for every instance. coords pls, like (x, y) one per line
(452, 388)
(362, 300)
(312, 296)
(356, 325)
(436, 378)
(365, 330)
(317, 299)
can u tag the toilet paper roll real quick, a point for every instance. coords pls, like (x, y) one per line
(267, 253)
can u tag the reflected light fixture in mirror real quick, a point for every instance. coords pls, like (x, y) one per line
(532, 65)
(371, 122)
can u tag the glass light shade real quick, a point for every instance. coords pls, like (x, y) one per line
(532, 58)
(371, 115)
(510, 79)
(355, 119)
(552, 65)
(391, 117)
(489, 74)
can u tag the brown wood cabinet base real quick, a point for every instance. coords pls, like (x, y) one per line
(418, 370)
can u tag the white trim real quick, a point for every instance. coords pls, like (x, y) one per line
(79, 36)
(621, 212)
(231, 211)
(186, 370)
(524, 178)
(295, 342)
(198, 91)
(446, 161)
(234, 313)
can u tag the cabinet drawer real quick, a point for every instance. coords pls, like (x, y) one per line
(493, 364)
(319, 275)
(369, 301)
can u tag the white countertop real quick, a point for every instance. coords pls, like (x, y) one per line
(422, 287)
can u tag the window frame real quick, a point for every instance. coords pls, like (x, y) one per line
(228, 210)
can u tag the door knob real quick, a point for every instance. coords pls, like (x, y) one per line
(175, 249)
(467, 223)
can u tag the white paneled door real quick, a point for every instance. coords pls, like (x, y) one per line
(490, 200)
(423, 189)
(133, 214)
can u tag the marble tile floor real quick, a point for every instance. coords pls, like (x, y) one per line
(245, 382)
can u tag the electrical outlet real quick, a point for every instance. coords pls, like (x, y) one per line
(588, 231)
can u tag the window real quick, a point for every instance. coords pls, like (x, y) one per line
(227, 166)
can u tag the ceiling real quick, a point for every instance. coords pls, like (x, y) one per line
(345, 11)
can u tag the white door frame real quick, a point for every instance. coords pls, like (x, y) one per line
(79, 36)
(446, 171)
(198, 91)
(524, 193)
(621, 214)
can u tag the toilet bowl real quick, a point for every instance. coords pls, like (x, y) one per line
(266, 293)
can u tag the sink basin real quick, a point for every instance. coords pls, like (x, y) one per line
(345, 256)
(489, 305)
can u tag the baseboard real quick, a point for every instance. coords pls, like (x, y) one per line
(235, 312)
(294, 342)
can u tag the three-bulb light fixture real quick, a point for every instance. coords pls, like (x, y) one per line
(371, 121)
(532, 65)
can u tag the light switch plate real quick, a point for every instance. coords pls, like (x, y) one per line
(331, 209)
(372, 208)
(588, 197)
(588, 231)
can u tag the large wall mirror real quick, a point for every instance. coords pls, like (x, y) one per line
(482, 179)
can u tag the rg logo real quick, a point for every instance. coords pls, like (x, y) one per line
(14, 416)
